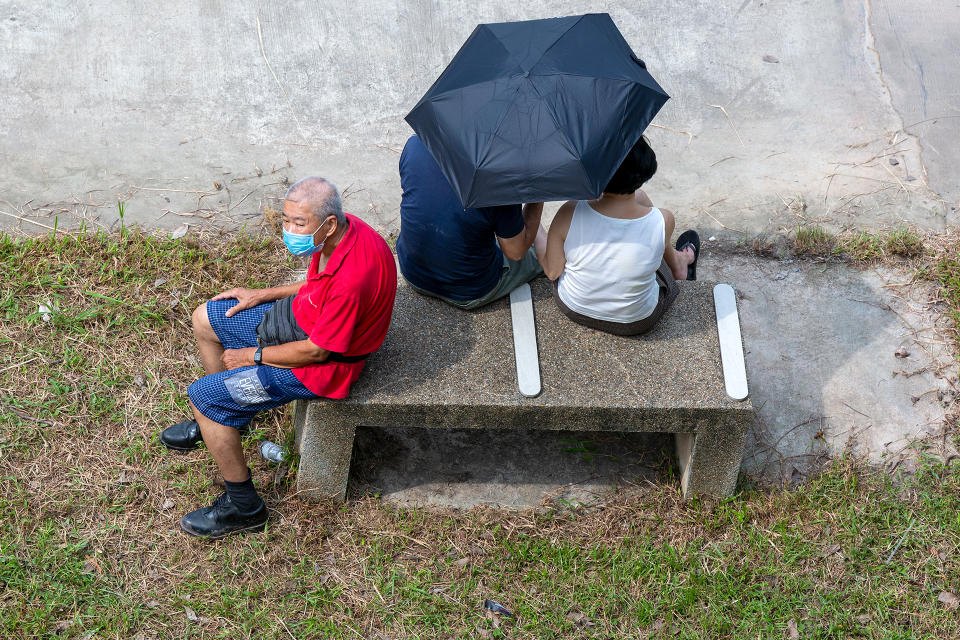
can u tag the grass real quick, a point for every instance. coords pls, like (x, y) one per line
(89, 503)
(946, 270)
(857, 246)
(813, 240)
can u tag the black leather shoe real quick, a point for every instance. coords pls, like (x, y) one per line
(183, 436)
(223, 518)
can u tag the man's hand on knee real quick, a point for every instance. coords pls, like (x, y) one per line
(235, 358)
(246, 299)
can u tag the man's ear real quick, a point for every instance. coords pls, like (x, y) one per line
(333, 227)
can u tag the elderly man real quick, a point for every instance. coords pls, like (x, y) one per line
(262, 348)
(465, 257)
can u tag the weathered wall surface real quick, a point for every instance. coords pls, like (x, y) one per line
(153, 103)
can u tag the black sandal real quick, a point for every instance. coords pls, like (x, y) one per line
(690, 238)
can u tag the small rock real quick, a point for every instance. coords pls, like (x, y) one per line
(167, 504)
(151, 604)
(138, 381)
(792, 631)
(902, 353)
(191, 614)
(461, 563)
(949, 599)
(771, 59)
(780, 275)
(864, 619)
(712, 238)
(217, 185)
(159, 281)
(894, 161)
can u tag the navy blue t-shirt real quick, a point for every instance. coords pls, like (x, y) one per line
(444, 248)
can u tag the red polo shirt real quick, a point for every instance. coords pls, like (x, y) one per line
(346, 308)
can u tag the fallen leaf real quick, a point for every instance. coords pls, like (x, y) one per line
(152, 604)
(90, 565)
(159, 281)
(864, 619)
(180, 231)
(580, 620)
(217, 185)
(475, 550)
(949, 599)
(792, 632)
(829, 551)
(901, 353)
(462, 562)
(167, 504)
(771, 59)
(62, 626)
(191, 614)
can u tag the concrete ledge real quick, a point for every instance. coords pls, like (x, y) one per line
(445, 368)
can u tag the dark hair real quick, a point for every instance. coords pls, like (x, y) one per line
(638, 167)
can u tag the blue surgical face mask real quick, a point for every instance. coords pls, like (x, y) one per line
(301, 244)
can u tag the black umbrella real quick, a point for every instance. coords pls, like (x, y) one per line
(537, 110)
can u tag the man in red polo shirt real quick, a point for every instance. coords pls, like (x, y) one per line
(262, 348)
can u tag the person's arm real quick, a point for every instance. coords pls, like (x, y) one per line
(289, 355)
(669, 253)
(517, 246)
(247, 298)
(550, 254)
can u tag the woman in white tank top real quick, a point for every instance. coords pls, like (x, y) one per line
(610, 259)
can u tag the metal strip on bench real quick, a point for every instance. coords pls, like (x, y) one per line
(525, 341)
(731, 346)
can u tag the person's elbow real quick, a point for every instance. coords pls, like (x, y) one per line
(552, 272)
(514, 253)
(515, 248)
(315, 353)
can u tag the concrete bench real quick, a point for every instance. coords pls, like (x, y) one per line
(445, 368)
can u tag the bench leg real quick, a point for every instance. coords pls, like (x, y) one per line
(325, 444)
(710, 460)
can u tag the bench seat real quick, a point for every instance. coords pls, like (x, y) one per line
(441, 367)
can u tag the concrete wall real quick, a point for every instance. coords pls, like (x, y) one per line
(153, 103)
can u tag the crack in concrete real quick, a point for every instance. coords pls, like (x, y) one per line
(872, 58)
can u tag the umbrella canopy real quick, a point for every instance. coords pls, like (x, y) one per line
(537, 110)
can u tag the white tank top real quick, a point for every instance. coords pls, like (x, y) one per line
(611, 267)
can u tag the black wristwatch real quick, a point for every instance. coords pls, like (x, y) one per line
(258, 355)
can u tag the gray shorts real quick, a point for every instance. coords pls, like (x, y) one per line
(514, 274)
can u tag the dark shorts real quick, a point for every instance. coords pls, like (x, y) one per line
(668, 293)
(233, 397)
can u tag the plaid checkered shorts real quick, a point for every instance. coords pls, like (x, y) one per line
(233, 397)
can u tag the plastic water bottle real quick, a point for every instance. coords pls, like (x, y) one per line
(272, 452)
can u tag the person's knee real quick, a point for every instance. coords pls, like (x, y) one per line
(201, 324)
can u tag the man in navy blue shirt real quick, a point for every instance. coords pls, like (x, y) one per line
(465, 257)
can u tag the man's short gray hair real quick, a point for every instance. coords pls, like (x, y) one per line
(321, 196)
